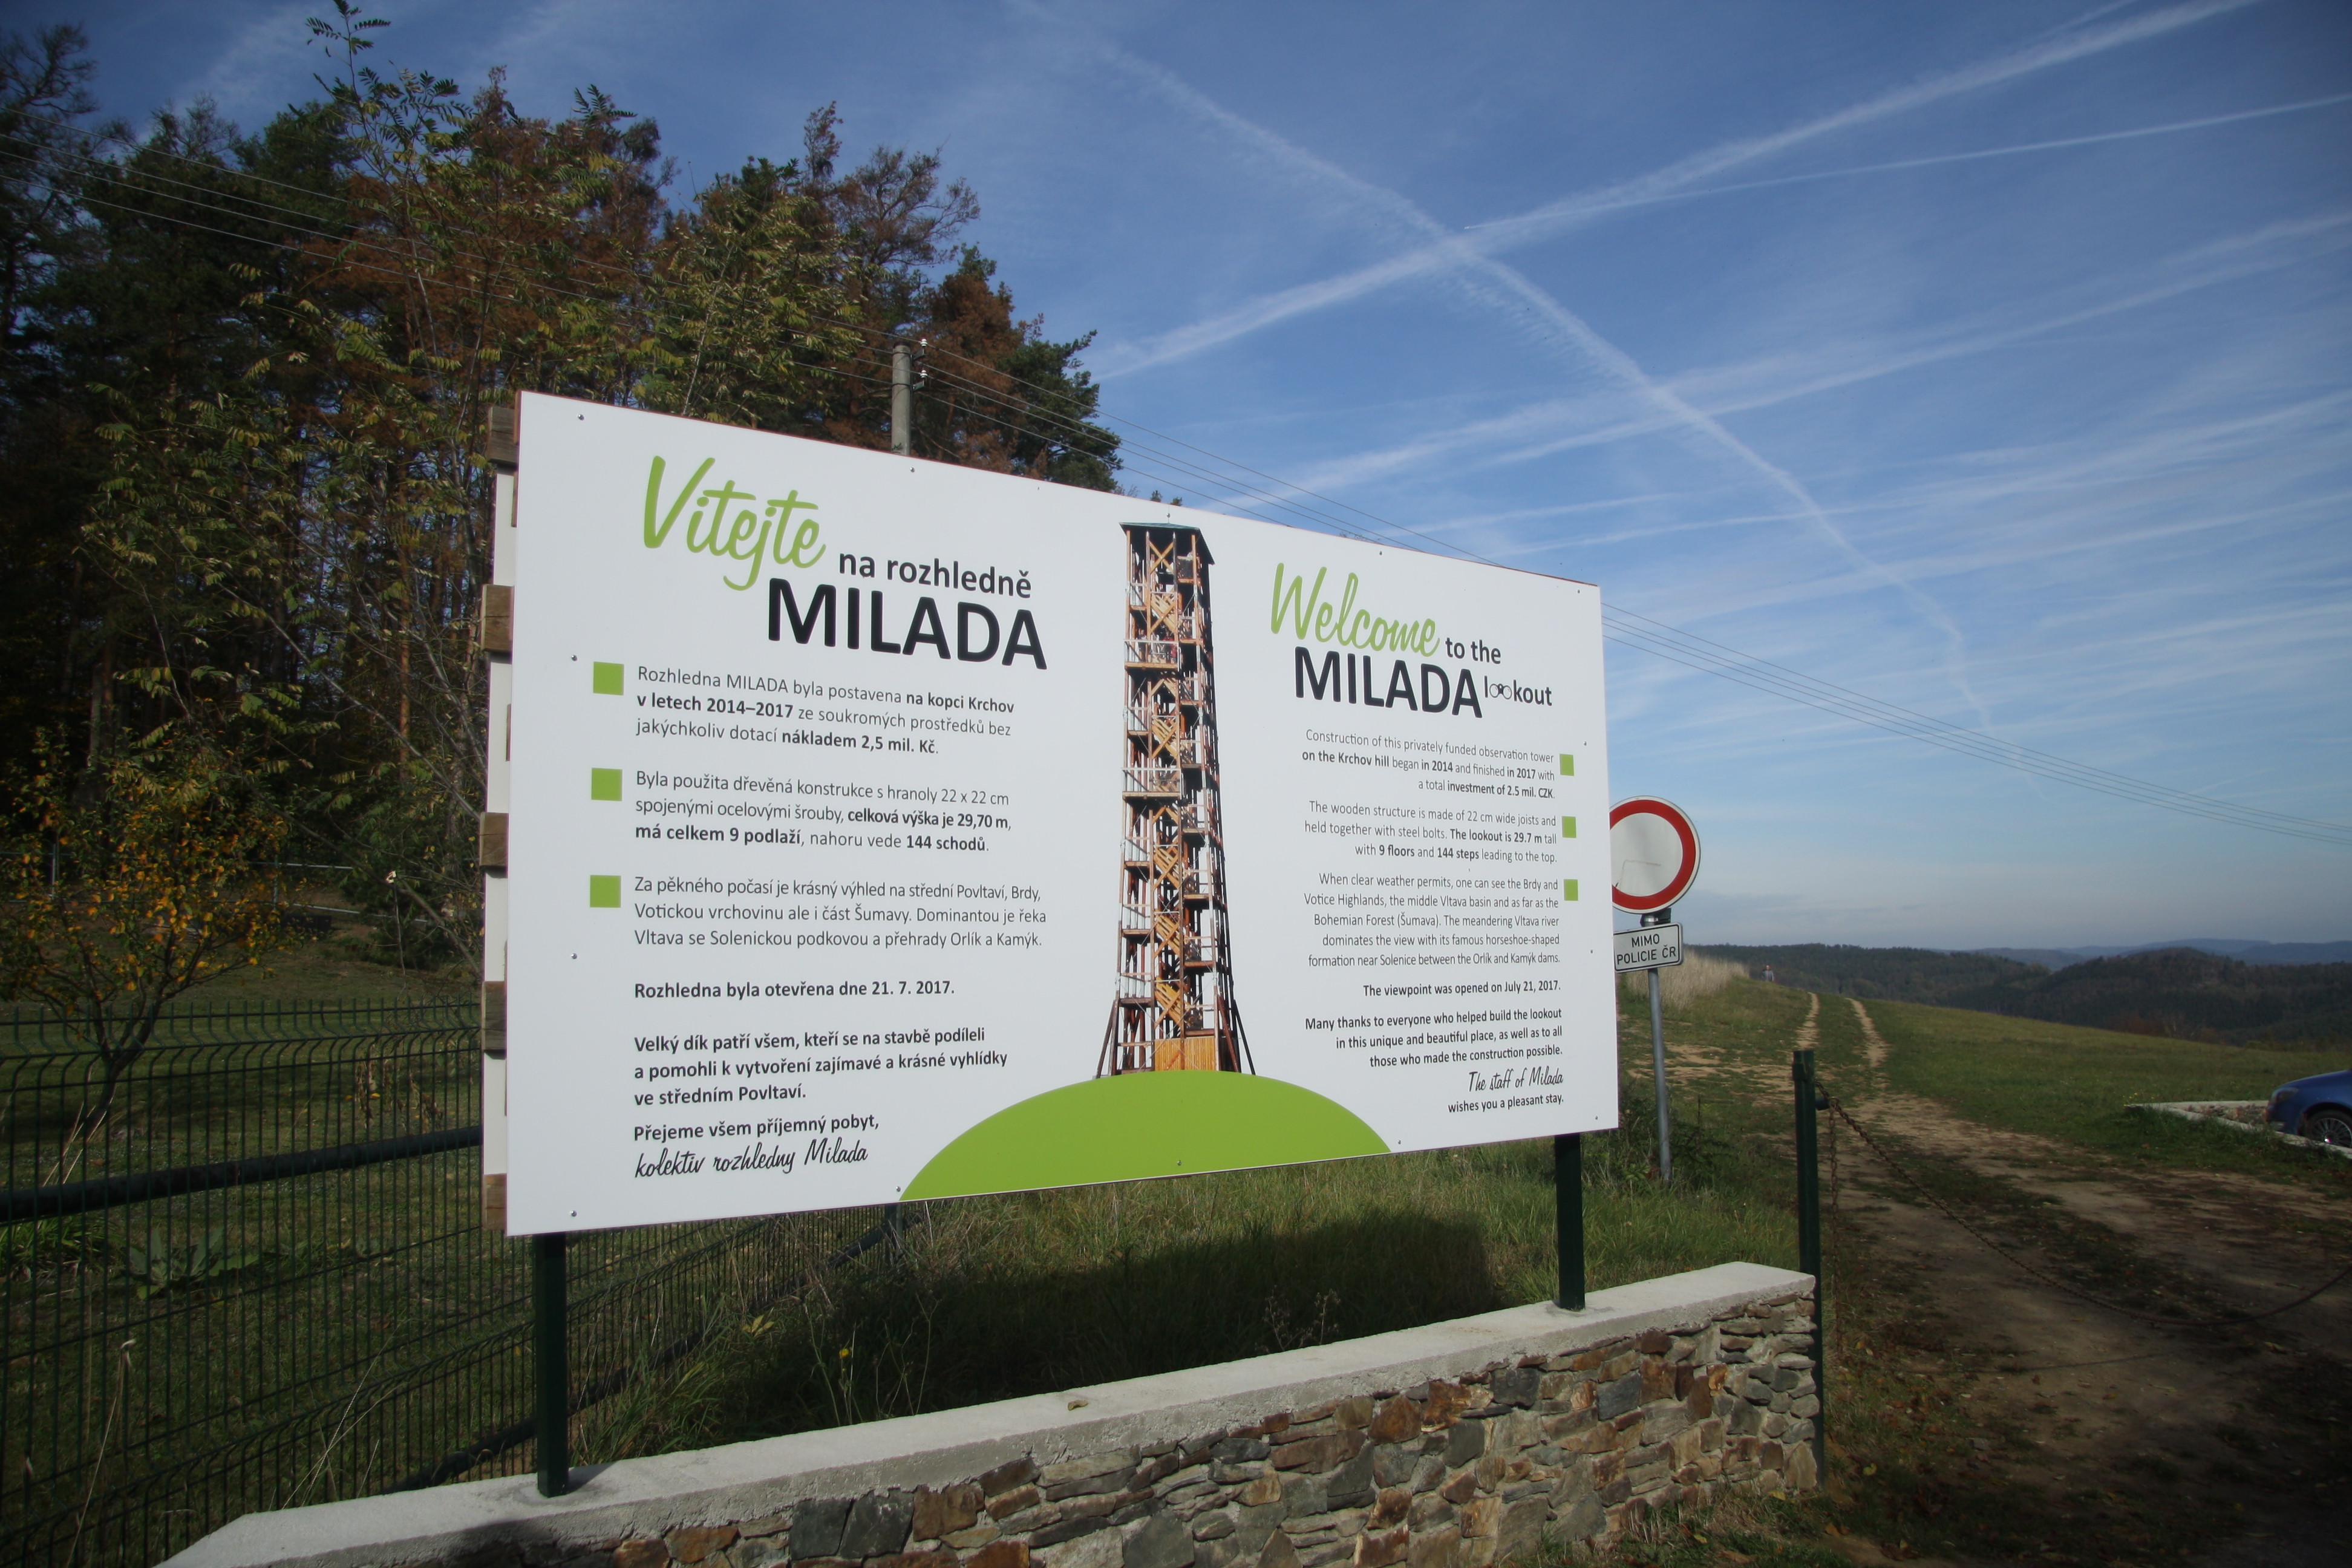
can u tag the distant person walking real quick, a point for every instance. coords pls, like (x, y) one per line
(1768, 980)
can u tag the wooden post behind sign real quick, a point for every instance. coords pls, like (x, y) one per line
(500, 449)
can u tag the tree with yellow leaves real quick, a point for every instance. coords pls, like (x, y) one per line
(134, 880)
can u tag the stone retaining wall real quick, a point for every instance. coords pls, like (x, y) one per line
(1523, 1424)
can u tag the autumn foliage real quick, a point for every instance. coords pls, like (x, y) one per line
(244, 382)
(132, 883)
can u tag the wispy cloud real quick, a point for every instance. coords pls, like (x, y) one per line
(1586, 351)
(1552, 425)
(260, 52)
(2286, 242)
(2019, 148)
(1448, 251)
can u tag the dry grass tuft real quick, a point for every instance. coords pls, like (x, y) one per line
(1695, 976)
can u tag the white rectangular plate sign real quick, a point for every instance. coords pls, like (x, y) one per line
(882, 829)
(1650, 947)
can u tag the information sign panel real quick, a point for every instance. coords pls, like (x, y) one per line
(882, 829)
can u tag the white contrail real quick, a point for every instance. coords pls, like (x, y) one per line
(1558, 425)
(1572, 210)
(1554, 324)
(2093, 139)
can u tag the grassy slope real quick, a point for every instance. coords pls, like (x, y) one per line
(1913, 973)
(1005, 1295)
(1002, 1296)
(1055, 1289)
(1050, 1290)
(2073, 1083)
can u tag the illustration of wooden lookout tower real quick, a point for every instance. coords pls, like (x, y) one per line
(1174, 1008)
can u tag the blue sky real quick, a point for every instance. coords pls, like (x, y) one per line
(1990, 360)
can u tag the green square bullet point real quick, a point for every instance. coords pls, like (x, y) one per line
(604, 783)
(1567, 889)
(1567, 763)
(608, 681)
(604, 892)
(1566, 824)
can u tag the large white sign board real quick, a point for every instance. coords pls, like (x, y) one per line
(855, 800)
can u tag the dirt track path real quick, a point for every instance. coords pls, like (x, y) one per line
(2135, 1421)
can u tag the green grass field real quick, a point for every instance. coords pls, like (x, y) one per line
(2072, 1084)
(999, 1295)
(996, 1296)
(166, 1365)
(993, 1297)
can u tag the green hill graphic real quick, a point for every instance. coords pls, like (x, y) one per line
(1144, 1124)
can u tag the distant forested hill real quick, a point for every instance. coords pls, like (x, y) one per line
(1897, 974)
(2180, 992)
(2183, 993)
(2228, 947)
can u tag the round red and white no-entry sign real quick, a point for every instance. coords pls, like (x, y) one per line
(1652, 853)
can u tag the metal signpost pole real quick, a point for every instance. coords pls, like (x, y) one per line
(1654, 850)
(1658, 1057)
(552, 1363)
(1568, 1208)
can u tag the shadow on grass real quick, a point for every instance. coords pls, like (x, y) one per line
(973, 1311)
(995, 1297)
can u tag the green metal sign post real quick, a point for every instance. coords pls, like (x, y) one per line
(1568, 1209)
(551, 1365)
(1811, 1100)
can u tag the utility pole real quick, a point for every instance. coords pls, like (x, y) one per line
(1658, 1055)
(902, 397)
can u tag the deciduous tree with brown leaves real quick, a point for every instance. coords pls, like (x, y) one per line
(242, 499)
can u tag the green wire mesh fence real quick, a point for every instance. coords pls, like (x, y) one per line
(245, 1269)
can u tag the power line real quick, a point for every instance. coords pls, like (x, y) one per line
(1625, 627)
(107, 170)
(570, 293)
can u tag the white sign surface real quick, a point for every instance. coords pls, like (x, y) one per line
(885, 829)
(1650, 947)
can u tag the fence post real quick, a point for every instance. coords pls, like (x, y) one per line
(1809, 1241)
(1568, 1213)
(552, 1363)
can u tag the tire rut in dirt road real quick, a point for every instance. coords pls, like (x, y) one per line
(2231, 1231)
(1874, 1044)
(2219, 1423)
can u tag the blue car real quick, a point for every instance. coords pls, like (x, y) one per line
(2318, 1108)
